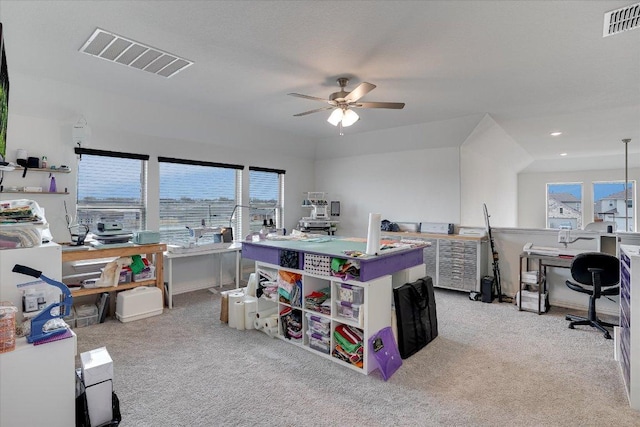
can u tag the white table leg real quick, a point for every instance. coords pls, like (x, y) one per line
(237, 269)
(170, 282)
(220, 270)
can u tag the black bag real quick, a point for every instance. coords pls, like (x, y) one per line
(416, 315)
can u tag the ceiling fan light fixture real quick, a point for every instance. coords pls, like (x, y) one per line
(336, 117)
(349, 118)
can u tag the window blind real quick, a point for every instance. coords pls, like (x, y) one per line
(265, 196)
(193, 193)
(111, 189)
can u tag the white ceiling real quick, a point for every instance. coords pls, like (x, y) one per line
(534, 66)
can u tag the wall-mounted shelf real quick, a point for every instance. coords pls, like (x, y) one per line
(35, 192)
(21, 169)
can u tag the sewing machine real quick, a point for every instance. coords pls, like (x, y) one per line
(38, 323)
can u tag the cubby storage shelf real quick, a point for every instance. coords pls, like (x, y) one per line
(377, 300)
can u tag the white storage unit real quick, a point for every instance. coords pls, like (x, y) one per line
(453, 261)
(373, 314)
(37, 386)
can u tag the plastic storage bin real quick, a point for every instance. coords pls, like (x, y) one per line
(349, 310)
(86, 314)
(318, 324)
(319, 342)
(138, 303)
(148, 273)
(70, 319)
(7, 327)
(351, 293)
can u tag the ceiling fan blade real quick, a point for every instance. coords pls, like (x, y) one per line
(361, 90)
(392, 105)
(313, 111)
(313, 98)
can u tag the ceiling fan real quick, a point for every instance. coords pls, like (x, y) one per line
(342, 102)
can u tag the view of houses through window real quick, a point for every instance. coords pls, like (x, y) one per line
(564, 205)
(610, 203)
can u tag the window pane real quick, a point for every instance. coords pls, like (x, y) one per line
(264, 198)
(610, 201)
(191, 195)
(111, 189)
(564, 205)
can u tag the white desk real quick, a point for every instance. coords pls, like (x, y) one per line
(193, 252)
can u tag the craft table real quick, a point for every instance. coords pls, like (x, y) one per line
(193, 252)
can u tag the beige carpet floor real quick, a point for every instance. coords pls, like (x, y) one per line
(490, 366)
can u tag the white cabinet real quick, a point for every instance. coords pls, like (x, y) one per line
(369, 316)
(38, 385)
(629, 338)
(452, 261)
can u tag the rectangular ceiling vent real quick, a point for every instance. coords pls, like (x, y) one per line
(112, 47)
(623, 19)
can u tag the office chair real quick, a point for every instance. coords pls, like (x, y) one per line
(597, 274)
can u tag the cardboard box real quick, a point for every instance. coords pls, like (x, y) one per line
(138, 303)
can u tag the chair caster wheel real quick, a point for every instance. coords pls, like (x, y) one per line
(607, 336)
(571, 327)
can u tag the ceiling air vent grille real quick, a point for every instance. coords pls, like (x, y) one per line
(112, 47)
(623, 19)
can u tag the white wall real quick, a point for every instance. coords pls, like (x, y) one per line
(406, 186)
(489, 163)
(532, 192)
(53, 139)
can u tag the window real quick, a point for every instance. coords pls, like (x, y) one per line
(609, 202)
(111, 188)
(564, 205)
(266, 189)
(193, 194)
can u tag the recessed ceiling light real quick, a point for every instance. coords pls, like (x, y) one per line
(556, 133)
(563, 154)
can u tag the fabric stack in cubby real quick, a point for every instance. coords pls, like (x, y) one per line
(349, 346)
(319, 301)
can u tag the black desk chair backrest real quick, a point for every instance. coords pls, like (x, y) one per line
(601, 272)
(584, 265)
